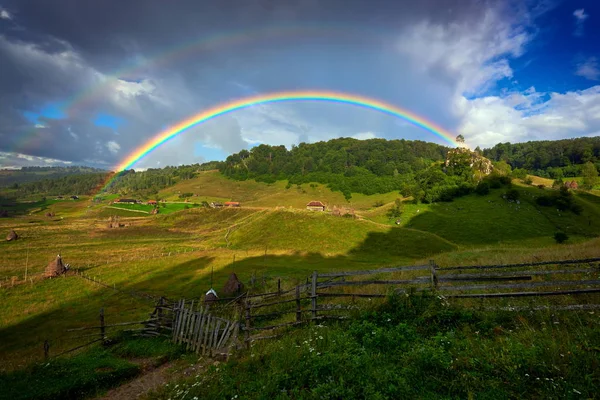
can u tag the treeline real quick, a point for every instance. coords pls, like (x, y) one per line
(149, 182)
(345, 164)
(13, 178)
(67, 185)
(549, 158)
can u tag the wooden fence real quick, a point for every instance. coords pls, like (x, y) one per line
(202, 332)
(333, 295)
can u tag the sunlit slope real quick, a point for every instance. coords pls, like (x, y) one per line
(490, 219)
(212, 186)
(326, 234)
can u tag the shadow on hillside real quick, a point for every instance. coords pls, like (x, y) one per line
(78, 301)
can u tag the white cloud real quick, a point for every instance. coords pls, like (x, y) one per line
(580, 17)
(113, 146)
(364, 135)
(589, 69)
(470, 56)
(4, 14)
(493, 119)
(12, 160)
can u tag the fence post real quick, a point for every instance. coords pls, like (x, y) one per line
(313, 293)
(434, 278)
(279, 286)
(102, 327)
(46, 349)
(159, 315)
(298, 309)
(247, 327)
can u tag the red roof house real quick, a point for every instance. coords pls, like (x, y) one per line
(315, 206)
(232, 204)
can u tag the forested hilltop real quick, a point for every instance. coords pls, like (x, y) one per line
(549, 158)
(345, 164)
(16, 177)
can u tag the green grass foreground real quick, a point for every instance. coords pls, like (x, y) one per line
(88, 373)
(415, 347)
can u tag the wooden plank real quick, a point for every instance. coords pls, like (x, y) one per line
(485, 278)
(533, 264)
(313, 292)
(190, 332)
(206, 331)
(272, 314)
(111, 325)
(520, 285)
(233, 327)
(517, 273)
(197, 329)
(419, 280)
(570, 307)
(375, 271)
(272, 304)
(213, 344)
(201, 330)
(220, 339)
(524, 294)
(350, 295)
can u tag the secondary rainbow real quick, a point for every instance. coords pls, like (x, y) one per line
(309, 95)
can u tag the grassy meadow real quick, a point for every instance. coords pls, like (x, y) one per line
(270, 237)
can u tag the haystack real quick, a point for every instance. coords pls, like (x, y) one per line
(12, 235)
(55, 268)
(233, 286)
(210, 297)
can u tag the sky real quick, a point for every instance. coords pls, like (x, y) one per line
(86, 82)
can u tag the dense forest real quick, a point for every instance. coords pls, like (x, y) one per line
(549, 158)
(11, 177)
(345, 164)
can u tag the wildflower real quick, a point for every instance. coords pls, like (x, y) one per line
(576, 391)
(526, 374)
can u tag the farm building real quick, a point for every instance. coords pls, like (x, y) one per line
(126, 201)
(232, 204)
(315, 206)
(216, 205)
(74, 197)
(152, 202)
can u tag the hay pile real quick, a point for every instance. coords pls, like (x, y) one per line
(55, 268)
(12, 235)
(233, 286)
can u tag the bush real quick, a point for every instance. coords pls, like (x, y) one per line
(576, 208)
(542, 187)
(561, 237)
(545, 201)
(378, 203)
(482, 189)
(528, 181)
(513, 194)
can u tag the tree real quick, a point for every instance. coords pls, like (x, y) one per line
(396, 211)
(590, 175)
(460, 139)
(561, 237)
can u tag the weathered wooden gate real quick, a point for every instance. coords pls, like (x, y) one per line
(202, 332)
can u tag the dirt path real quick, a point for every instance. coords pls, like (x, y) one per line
(141, 385)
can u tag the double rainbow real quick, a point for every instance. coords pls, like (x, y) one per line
(278, 97)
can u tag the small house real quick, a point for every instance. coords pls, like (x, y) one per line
(216, 205)
(74, 197)
(232, 204)
(152, 202)
(315, 206)
(126, 201)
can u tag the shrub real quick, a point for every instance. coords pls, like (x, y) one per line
(576, 208)
(378, 203)
(545, 201)
(561, 237)
(528, 181)
(513, 194)
(542, 187)
(482, 189)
